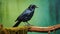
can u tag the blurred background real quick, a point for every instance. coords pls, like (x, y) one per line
(48, 13)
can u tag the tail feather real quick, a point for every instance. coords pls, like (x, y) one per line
(18, 22)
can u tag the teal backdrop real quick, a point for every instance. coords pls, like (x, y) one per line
(47, 14)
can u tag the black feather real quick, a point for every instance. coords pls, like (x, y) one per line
(26, 15)
(17, 23)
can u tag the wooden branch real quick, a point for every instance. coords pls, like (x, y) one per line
(45, 29)
(30, 28)
(14, 30)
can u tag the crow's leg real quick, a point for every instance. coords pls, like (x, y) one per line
(25, 24)
(28, 24)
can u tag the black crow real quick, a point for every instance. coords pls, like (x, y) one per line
(26, 15)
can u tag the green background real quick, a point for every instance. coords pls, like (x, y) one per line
(47, 14)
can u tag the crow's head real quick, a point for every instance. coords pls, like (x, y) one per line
(33, 6)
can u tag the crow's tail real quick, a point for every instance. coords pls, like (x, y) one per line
(17, 23)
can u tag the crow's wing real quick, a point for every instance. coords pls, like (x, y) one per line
(24, 14)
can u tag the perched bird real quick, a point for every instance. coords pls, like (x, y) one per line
(26, 15)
